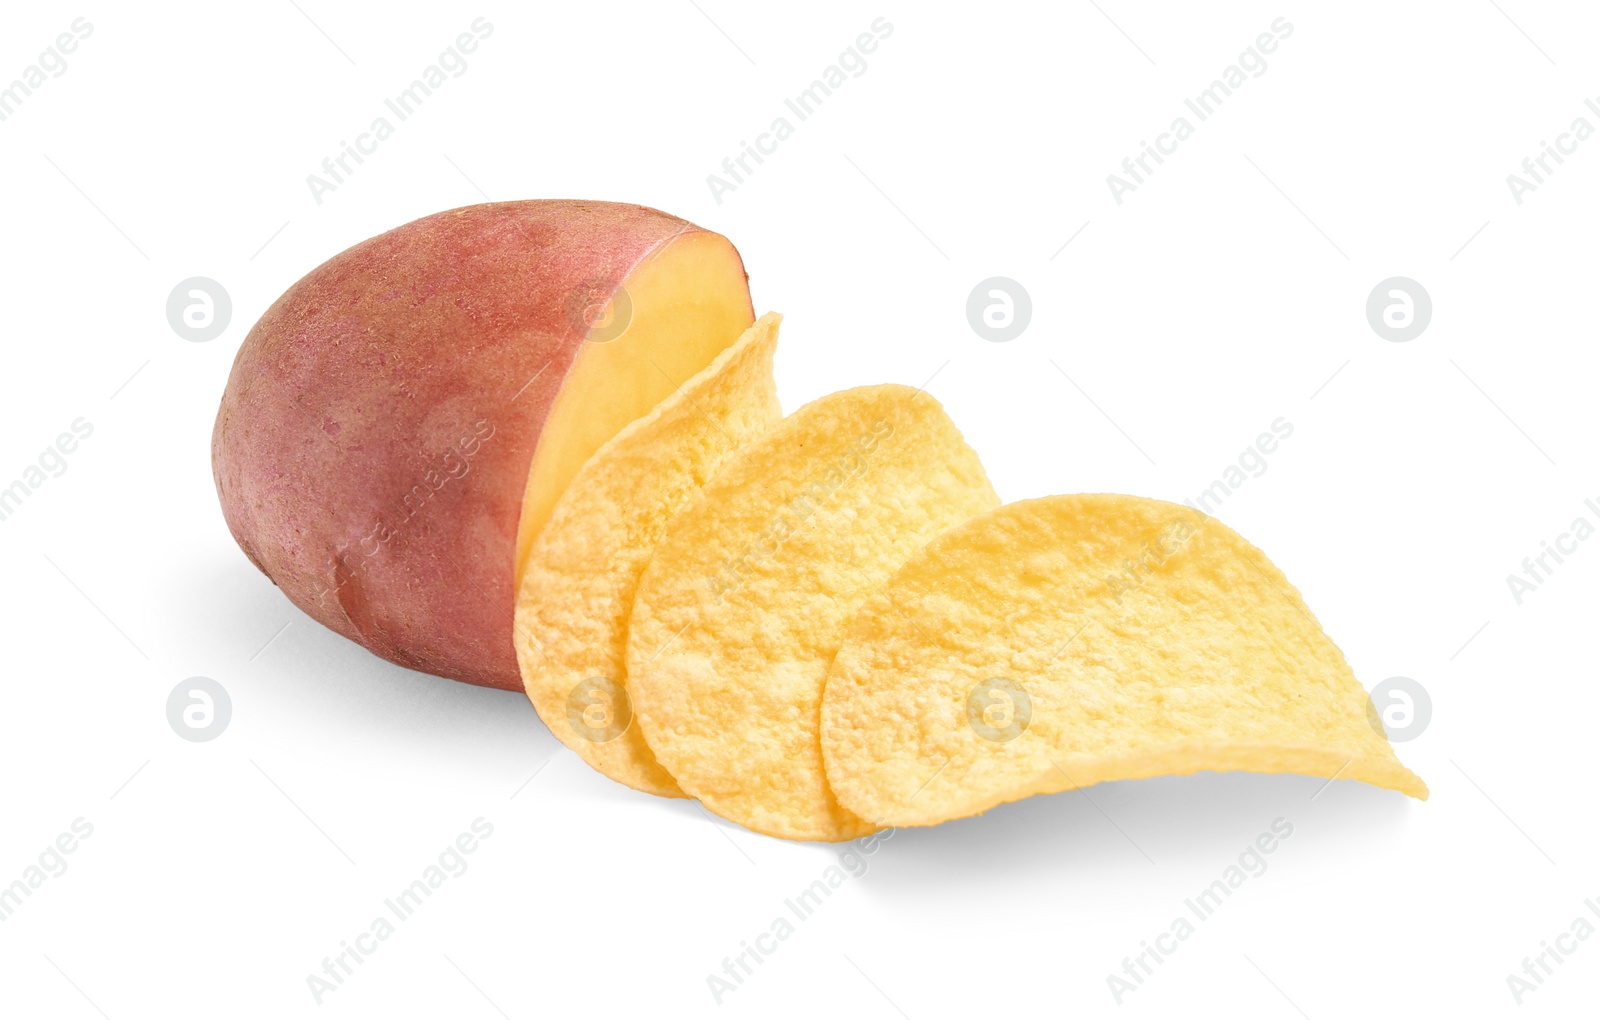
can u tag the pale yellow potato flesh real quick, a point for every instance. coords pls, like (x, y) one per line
(583, 566)
(1061, 642)
(674, 313)
(749, 595)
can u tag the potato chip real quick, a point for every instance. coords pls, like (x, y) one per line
(584, 564)
(1066, 641)
(750, 593)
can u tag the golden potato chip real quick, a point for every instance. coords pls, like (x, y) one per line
(577, 589)
(748, 596)
(1061, 642)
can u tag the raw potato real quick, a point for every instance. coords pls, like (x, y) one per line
(748, 597)
(1071, 640)
(584, 565)
(398, 423)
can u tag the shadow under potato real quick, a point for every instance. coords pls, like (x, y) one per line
(324, 688)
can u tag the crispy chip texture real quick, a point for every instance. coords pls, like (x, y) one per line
(748, 597)
(1061, 642)
(584, 565)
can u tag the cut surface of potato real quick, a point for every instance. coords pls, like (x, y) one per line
(664, 322)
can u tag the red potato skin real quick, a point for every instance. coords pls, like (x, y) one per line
(374, 440)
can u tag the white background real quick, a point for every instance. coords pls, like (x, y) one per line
(1227, 291)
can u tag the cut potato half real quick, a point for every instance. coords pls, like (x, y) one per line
(397, 425)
